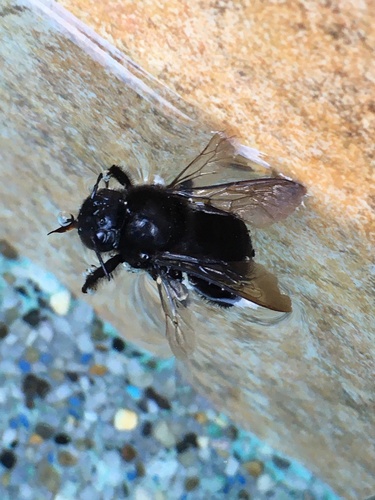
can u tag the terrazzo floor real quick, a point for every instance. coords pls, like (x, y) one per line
(85, 415)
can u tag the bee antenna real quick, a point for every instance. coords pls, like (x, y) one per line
(95, 188)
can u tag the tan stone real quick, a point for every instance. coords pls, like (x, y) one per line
(71, 104)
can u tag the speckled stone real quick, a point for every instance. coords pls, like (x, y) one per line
(188, 441)
(187, 458)
(162, 432)
(67, 459)
(33, 317)
(98, 370)
(5, 479)
(191, 483)
(254, 467)
(8, 459)
(265, 483)
(84, 444)
(97, 333)
(280, 462)
(125, 420)
(8, 250)
(35, 386)
(57, 375)
(201, 417)
(62, 438)
(128, 452)
(60, 302)
(3, 330)
(49, 477)
(44, 430)
(36, 439)
(32, 355)
(140, 468)
(160, 400)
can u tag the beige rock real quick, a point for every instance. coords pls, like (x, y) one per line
(70, 104)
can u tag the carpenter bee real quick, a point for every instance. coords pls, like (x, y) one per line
(184, 234)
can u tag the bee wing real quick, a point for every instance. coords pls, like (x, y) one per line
(246, 279)
(258, 201)
(173, 295)
(221, 151)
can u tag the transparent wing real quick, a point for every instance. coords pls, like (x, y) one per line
(246, 279)
(258, 201)
(173, 295)
(221, 151)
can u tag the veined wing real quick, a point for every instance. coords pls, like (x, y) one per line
(220, 152)
(258, 201)
(246, 279)
(173, 295)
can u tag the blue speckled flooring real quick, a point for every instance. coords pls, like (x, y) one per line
(85, 415)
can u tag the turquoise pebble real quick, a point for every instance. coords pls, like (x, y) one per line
(134, 391)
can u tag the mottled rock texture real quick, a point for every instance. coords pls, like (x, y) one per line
(71, 104)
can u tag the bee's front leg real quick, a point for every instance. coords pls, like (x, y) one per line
(94, 278)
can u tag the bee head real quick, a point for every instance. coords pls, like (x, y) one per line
(100, 220)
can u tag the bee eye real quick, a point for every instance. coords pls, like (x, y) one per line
(65, 219)
(101, 236)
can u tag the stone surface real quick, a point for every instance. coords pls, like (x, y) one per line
(71, 104)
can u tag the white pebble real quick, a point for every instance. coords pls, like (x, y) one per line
(163, 434)
(203, 442)
(85, 344)
(62, 392)
(204, 454)
(125, 420)
(26, 492)
(31, 337)
(231, 467)
(265, 483)
(141, 493)
(84, 382)
(164, 470)
(9, 367)
(60, 302)
(9, 435)
(88, 493)
(137, 375)
(114, 469)
(46, 332)
(116, 366)
(11, 339)
(90, 416)
(3, 395)
(152, 406)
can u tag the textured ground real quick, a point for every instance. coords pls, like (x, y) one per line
(71, 104)
(86, 415)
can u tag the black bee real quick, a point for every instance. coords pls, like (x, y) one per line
(181, 230)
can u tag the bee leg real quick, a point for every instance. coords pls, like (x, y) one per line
(119, 174)
(93, 279)
(95, 188)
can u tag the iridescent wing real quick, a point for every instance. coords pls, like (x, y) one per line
(220, 154)
(246, 279)
(173, 297)
(258, 201)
